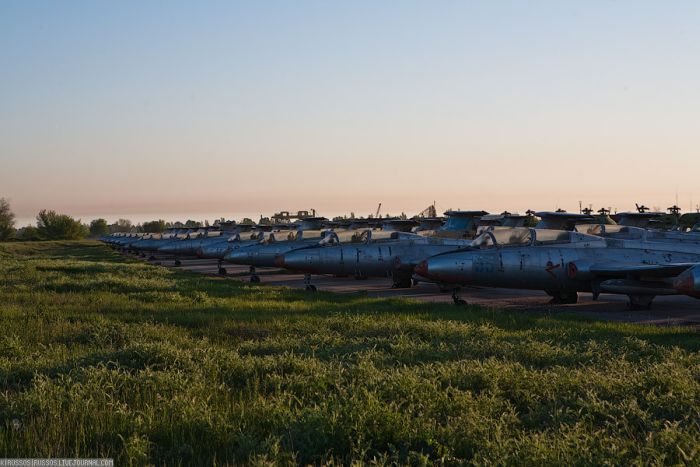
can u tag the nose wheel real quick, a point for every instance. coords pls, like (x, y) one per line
(308, 286)
(456, 298)
(254, 278)
(222, 269)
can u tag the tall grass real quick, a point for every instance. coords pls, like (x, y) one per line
(102, 356)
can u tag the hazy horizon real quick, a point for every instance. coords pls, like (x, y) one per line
(167, 108)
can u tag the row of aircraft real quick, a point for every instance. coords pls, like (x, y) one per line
(563, 254)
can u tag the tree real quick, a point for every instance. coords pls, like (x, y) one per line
(54, 226)
(7, 220)
(98, 228)
(154, 226)
(248, 221)
(122, 225)
(192, 224)
(28, 234)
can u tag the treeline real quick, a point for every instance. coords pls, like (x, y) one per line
(51, 225)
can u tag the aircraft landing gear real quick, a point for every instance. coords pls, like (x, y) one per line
(178, 262)
(562, 297)
(640, 302)
(401, 280)
(151, 258)
(254, 278)
(221, 268)
(308, 286)
(456, 299)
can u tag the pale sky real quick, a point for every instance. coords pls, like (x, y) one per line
(154, 109)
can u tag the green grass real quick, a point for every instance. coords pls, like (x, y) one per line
(103, 356)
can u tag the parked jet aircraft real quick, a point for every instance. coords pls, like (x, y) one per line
(383, 253)
(263, 254)
(371, 254)
(564, 263)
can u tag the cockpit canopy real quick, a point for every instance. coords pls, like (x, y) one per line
(295, 236)
(521, 236)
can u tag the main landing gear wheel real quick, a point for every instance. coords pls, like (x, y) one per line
(311, 288)
(640, 302)
(222, 271)
(178, 262)
(151, 258)
(255, 279)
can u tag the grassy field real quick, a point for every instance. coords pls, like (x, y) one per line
(104, 356)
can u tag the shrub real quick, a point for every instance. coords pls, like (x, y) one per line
(54, 226)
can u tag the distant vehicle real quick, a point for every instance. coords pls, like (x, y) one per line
(563, 263)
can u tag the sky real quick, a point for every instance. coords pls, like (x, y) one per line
(229, 109)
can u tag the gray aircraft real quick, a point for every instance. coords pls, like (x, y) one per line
(264, 253)
(370, 254)
(214, 237)
(218, 250)
(153, 242)
(284, 237)
(188, 246)
(383, 253)
(563, 263)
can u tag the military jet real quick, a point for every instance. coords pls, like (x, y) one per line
(218, 250)
(369, 254)
(264, 253)
(563, 263)
(383, 253)
(188, 246)
(153, 242)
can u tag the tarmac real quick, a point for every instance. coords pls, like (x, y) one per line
(675, 310)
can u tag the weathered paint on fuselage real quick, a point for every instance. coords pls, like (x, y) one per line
(538, 268)
(373, 259)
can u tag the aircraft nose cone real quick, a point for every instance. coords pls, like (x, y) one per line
(688, 282)
(445, 269)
